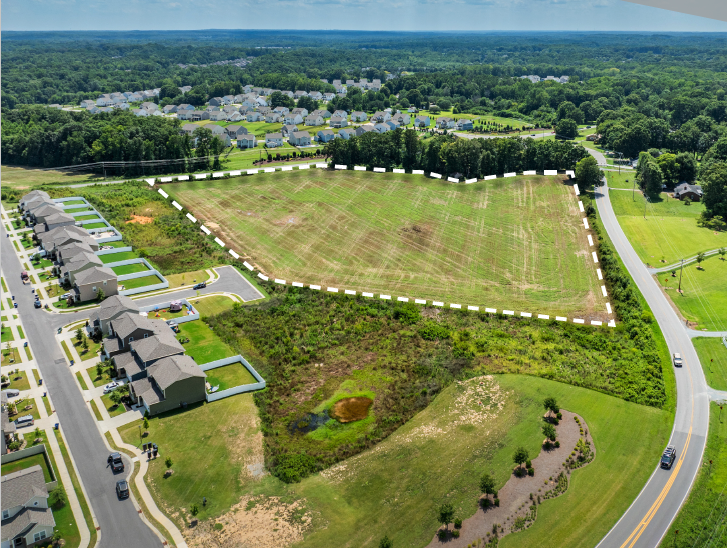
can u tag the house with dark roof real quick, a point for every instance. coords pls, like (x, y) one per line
(51, 240)
(8, 427)
(111, 309)
(55, 220)
(78, 263)
(33, 196)
(26, 518)
(684, 190)
(170, 383)
(88, 283)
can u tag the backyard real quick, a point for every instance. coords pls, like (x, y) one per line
(487, 244)
(129, 268)
(135, 283)
(204, 345)
(229, 376)
(27, 462)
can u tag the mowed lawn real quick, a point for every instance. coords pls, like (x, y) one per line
(210, 306)
(515, 243)
(704, 298)
(395, 488)
(713, 357)
(204, 345)
(669, 232)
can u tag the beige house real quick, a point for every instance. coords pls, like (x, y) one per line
(88, 283)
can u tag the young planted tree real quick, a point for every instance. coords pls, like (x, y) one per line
(700, 258)
(549, 432)
(487, 484)
(520, 456)
(168, 462)
(446, 514)
(386, 542)
(115, 397)
(722, 251)
(79, 335)
(84, 344)
(550, 404)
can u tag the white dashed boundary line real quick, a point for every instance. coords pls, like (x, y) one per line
(455, 306)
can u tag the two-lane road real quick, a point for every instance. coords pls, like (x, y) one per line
(647, 520)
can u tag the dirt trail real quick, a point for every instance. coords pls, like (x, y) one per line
(515, 495)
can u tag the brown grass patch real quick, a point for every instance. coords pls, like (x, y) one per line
(140, 219)
(351, 409)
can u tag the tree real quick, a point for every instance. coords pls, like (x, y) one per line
(669, 168)
(115, 397)
(722, 251)
(520, 456)
(101, 295)
(487, 484)
(446, 514)
(168, 90)
(566, 129)
(194, 509)
(700, 258)
(549, 431)
(57, 498)
(714, 190)
(79, 335)
(687, 167)
(146, 423)
(648, 174)
(307, 103)
(84, 344)
(588, 173)
(568, 110)
(550, 404)
(386, 542)
(278, 99)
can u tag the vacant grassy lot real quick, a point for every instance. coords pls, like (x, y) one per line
(670, 231)
(701, 521)
(511, 243)
(23, 178)
(210, 306)
(713, 357)
(704, 300)
(438, 456)
(187, 278)
(229, 376)
(204, 345)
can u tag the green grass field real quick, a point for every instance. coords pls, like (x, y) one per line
(713, 357)
(141, 282)
(204, 345)
(395, 488)
(23, 178)
(511, 243)
(210, 306)
(119, 256)
(111, 407)
(704, 298)
(669, 232)
(701, 520)
(129, 268)
(229, 376)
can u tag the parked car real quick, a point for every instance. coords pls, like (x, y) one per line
(200, 285)
(667, 458)
(11, 393)
(117, 464)
(25, 420)
(678, 360)
(65, 295)
(110, 387)
(122, 489)
(37, 304)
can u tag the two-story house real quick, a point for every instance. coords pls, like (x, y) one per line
(26, 518)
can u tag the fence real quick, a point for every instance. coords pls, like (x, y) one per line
(237, 389)
(182, 319)
(29, 452)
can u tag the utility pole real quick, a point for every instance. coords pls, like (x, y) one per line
(680, 276)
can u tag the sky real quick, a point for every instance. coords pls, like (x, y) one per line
(408, 15)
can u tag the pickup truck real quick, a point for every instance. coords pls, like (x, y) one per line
(117, 464)
(678, 360)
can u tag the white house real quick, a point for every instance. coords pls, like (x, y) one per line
(247, 141)
(272, 117)
(346, 133)
(341, 113)
(445, 122)
(282, 110)
(299, 138)
(359, 116)
(401, 118)
(253, 116)
(87, 103)
(381, 127)
(293, 118)
(300, 110)
(140, 112)
(288, 130)
(273, 140)
(380, 116)
(314, 119)
(421, 121)
(219, 116)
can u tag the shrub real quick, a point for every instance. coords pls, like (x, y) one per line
(57, 498)
(218, 527)
(194, 509)
(457, 523)
(168, 462)
(528, 464)
(557, 444)
(386, 542)
(485, 503)
(559, 416)
(531, 471)
(407, 314)
(442, 534)
(431, 331)
(497, 503)
(455, 533)
(291, 468)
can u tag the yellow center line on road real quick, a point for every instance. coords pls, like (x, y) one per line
(641, 527)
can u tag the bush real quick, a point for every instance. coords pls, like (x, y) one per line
(497, 503)
(455, 533)
(57, 498)
(531, 471)
(557, 444)
(407, 314)
(528, 464)
(485, 503)
(442, 534)
(457, 523)
(386, 542)
(291, 468)
(433, 331)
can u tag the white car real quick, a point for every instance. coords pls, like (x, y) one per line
(677, 360)
(110, 387)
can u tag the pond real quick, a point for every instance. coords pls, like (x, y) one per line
(309, 422)
(351, 409)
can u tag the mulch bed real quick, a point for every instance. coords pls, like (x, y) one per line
(515, 495)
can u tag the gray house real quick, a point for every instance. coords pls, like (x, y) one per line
(299, 138)
(26, 520)
(170, 383)
(247, 141)
(79, 263)
(111, 309)
(684, 190)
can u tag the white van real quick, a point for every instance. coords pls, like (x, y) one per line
(26, 420)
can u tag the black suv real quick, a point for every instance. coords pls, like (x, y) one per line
(200, 285)
(122, 489)
(667, 458)
(117, 465)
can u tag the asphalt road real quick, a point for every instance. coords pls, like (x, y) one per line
(120, 524)
(647, 520)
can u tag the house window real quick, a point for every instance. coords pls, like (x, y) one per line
(35, 503)
(40, 535)
(131, 339)
(94, 289)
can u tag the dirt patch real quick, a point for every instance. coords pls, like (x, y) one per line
(212, 225)
(140, 219)
(351, 409)
(517, 509)
(253, 523)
